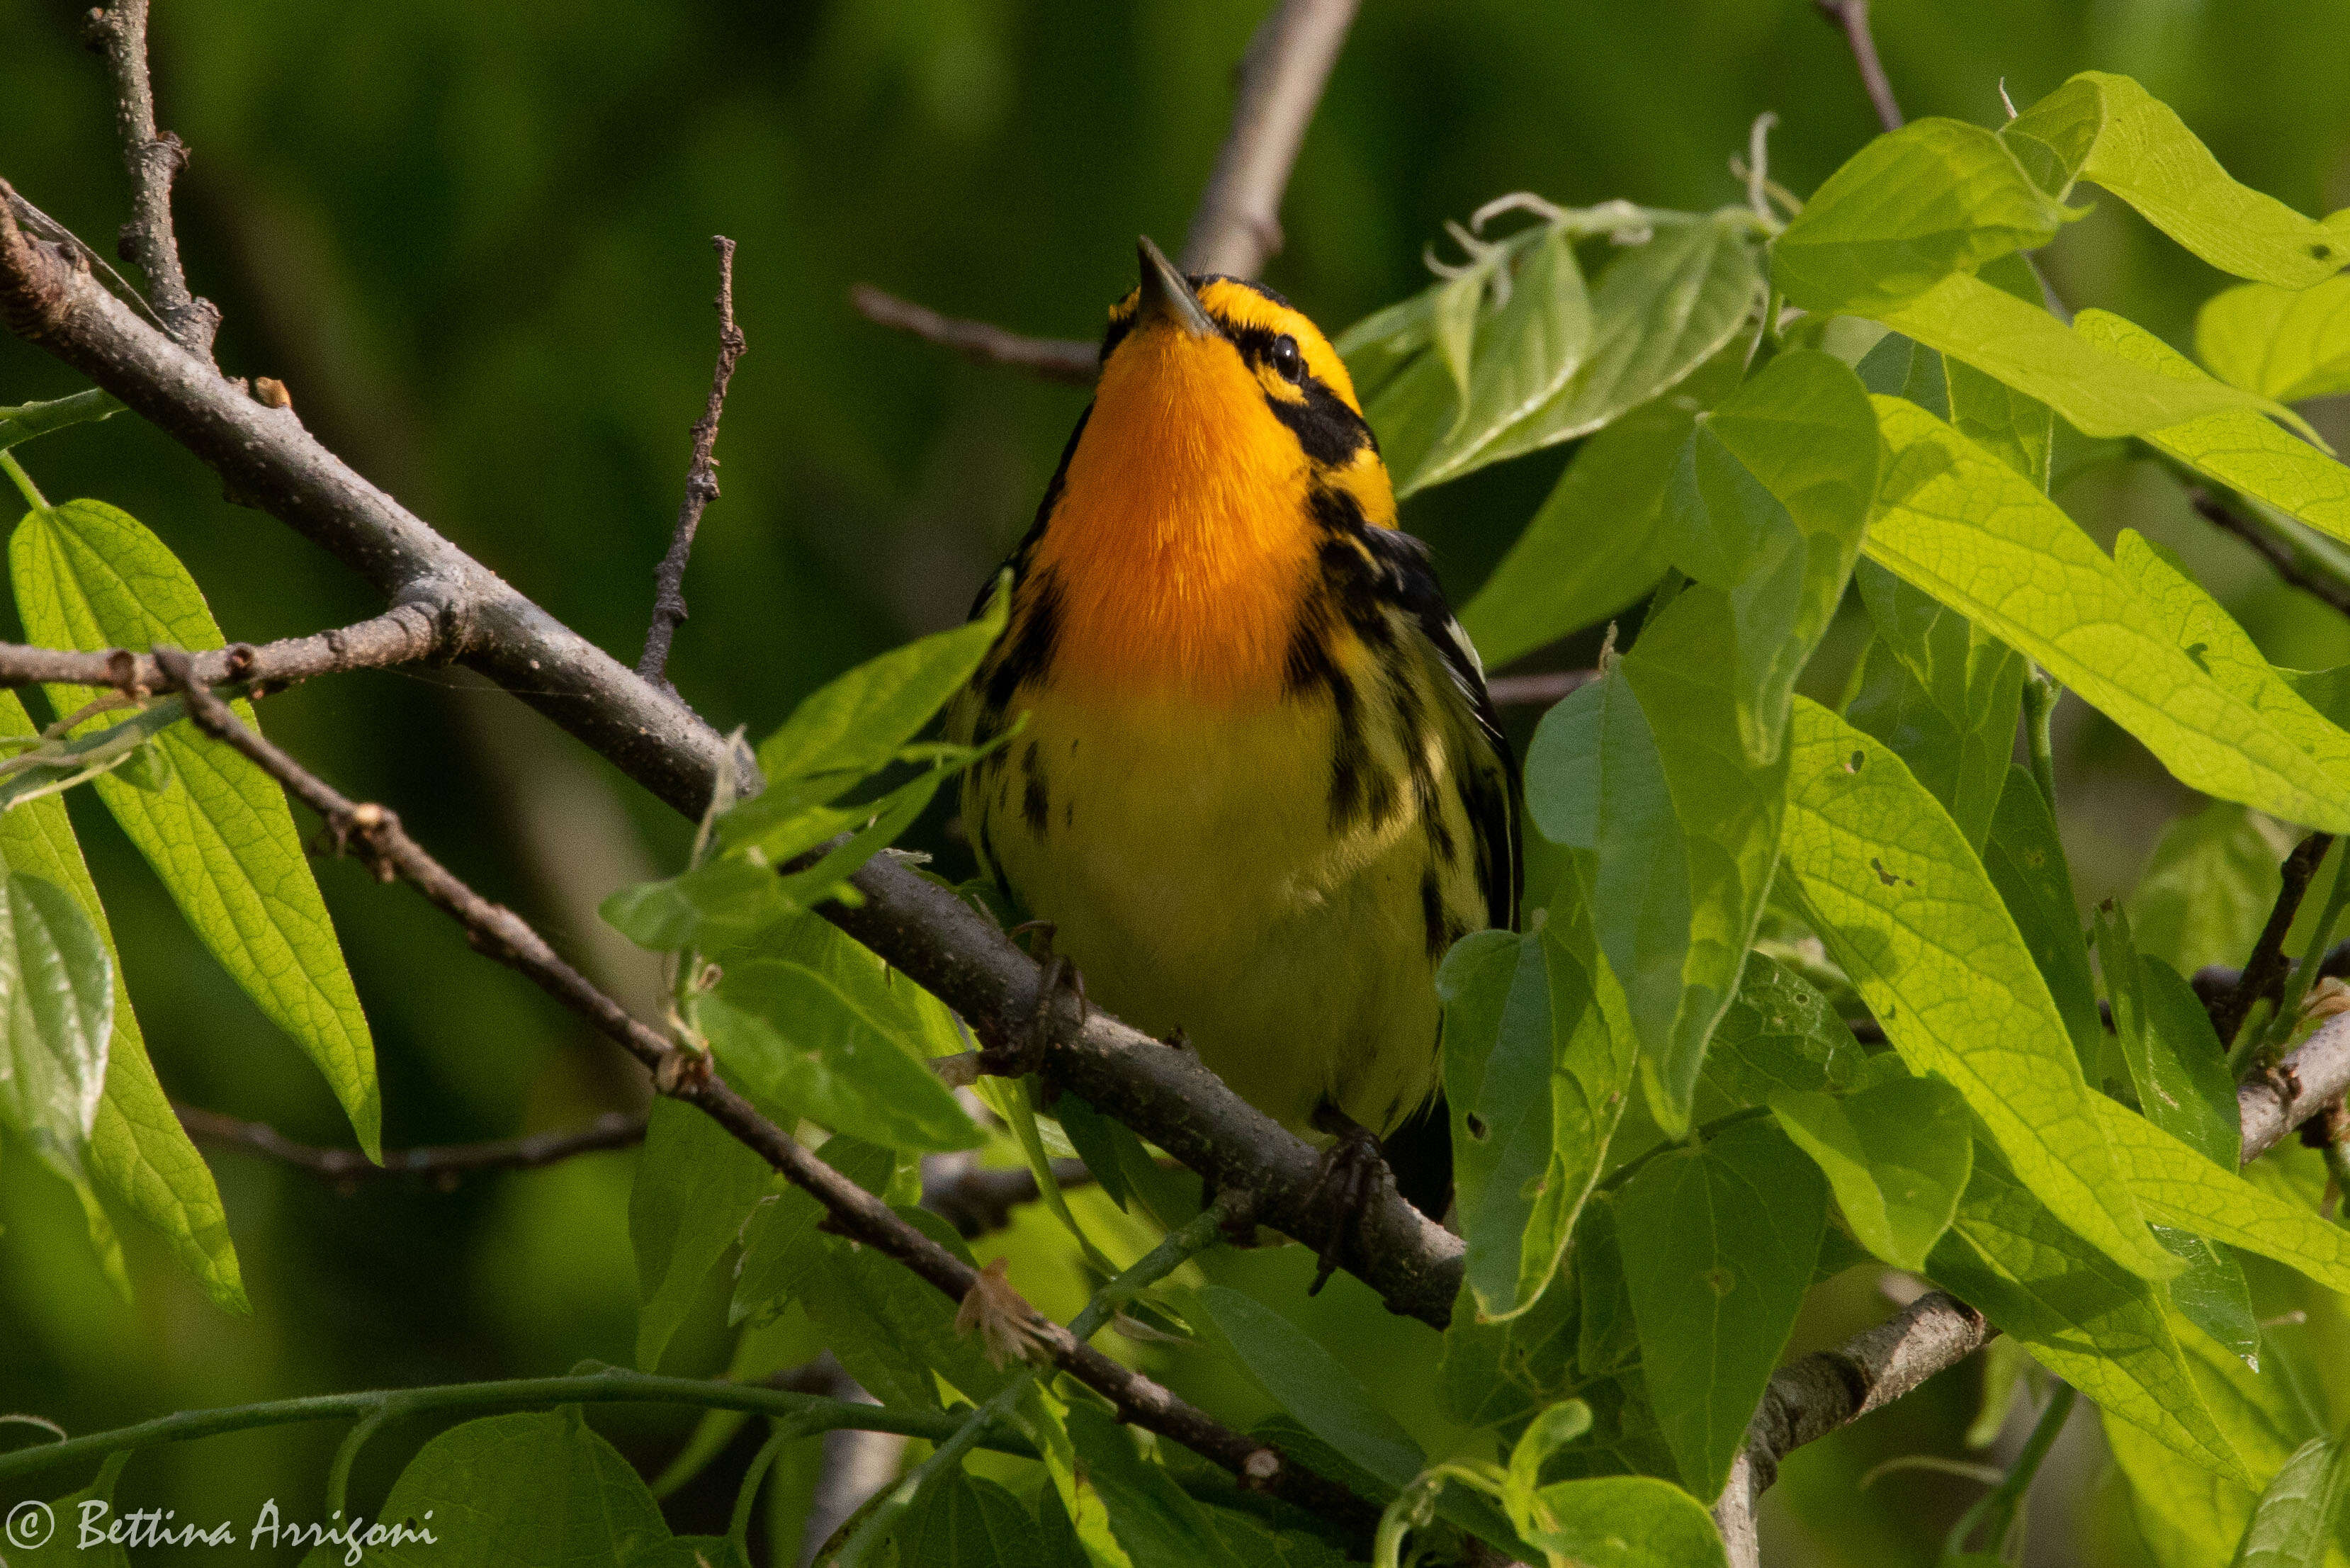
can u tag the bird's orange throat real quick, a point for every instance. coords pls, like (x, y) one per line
(1181, 546)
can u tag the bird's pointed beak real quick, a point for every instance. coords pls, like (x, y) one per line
(1165, 294)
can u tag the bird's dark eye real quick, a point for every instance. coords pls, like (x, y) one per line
(1287, 359)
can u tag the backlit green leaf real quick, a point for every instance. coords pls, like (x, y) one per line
(537, 1487)
(1156, 1522)
(800, 1047)
(1896, 1156)
(963, 1522)
(57, 1006)
(2208, 888)
(1305, 1380)
(2176, 1063)
(695, 1186)
(1943, 693)
(138, 1154)
(2100, 1327)
(2294, 1522)
(2106, 129)
(1979, 537)
(1905, 906)
(1718, 1245)
(1642, 773)
(1537, 1069)
(782, 1248)
(1915, 205)
(1661, 309)
(846, 729)
(2020, 344)
(1779, 1035)
(1768, 498)
(2025, 861)
(2283, 343)
(219, 833)
(1622, 1521)
(2237, 446)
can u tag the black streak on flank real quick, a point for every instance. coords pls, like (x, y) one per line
(1028, 647)
(1431, 911)
(1036, 801)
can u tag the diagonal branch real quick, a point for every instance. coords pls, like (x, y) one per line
(443, 1163)
(1809, 1398)
(1065, 360)
(1851, 15)
(154, 158)
(701, 482)
(1237, 224)
(2288, 560)
(375, 834)
(2264, 971)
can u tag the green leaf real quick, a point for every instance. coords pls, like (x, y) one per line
(2176, 1185)
(1718, 1245)
(536, 1490)
(1977, 536)
(1593, 546)
(782, 1247)
(802, 1048)
(2013, 341)
(1780, 1035)
(2176, 1061)
(962, 1521)
(1155, 1521)
(695, 1186)
(2025, 861)
(2293, 1525)
(1943, 693)
(2212, 1293)
(2097, 1325)
(892, 1330)
(63, 1548)
(1904, 906)
(2237, 446)
(2207, 889)
(1915, 205)
(1379, 347)
(1527, 350)
(1661, 310)
(219, 835)
(1897, 1156)
(56, 997)
(1623, 1522)
(1642, 773)
(2283, 343)
(1300, 1377)
(26, 421)
(726, 903)
(2108, 128)
(847, 729)
(1768, 499)
(139, 1154)
(1537, 1068)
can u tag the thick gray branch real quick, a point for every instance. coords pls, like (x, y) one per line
(1237, 225)
(154, 158)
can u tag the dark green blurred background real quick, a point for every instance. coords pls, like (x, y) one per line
(473, 240)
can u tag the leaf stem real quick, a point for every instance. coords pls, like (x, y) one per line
(16, 471)
(814, 1412)
(2039, 706)
(1179, 1246)
(1998, 1508)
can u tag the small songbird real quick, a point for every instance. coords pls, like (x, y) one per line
(1261, 788)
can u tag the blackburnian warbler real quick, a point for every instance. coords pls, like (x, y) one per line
(1261, 788)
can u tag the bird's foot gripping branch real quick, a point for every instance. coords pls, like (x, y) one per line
(1782, 403)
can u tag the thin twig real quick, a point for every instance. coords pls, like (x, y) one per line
(2290, 562)
(1851, 15)
(154, 158)
(1237, 224)
(374, 834)
(1059, 359)
(701, 482)
(442, 1163)
(2264, 971)
(1537, 691)
(407, 633)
